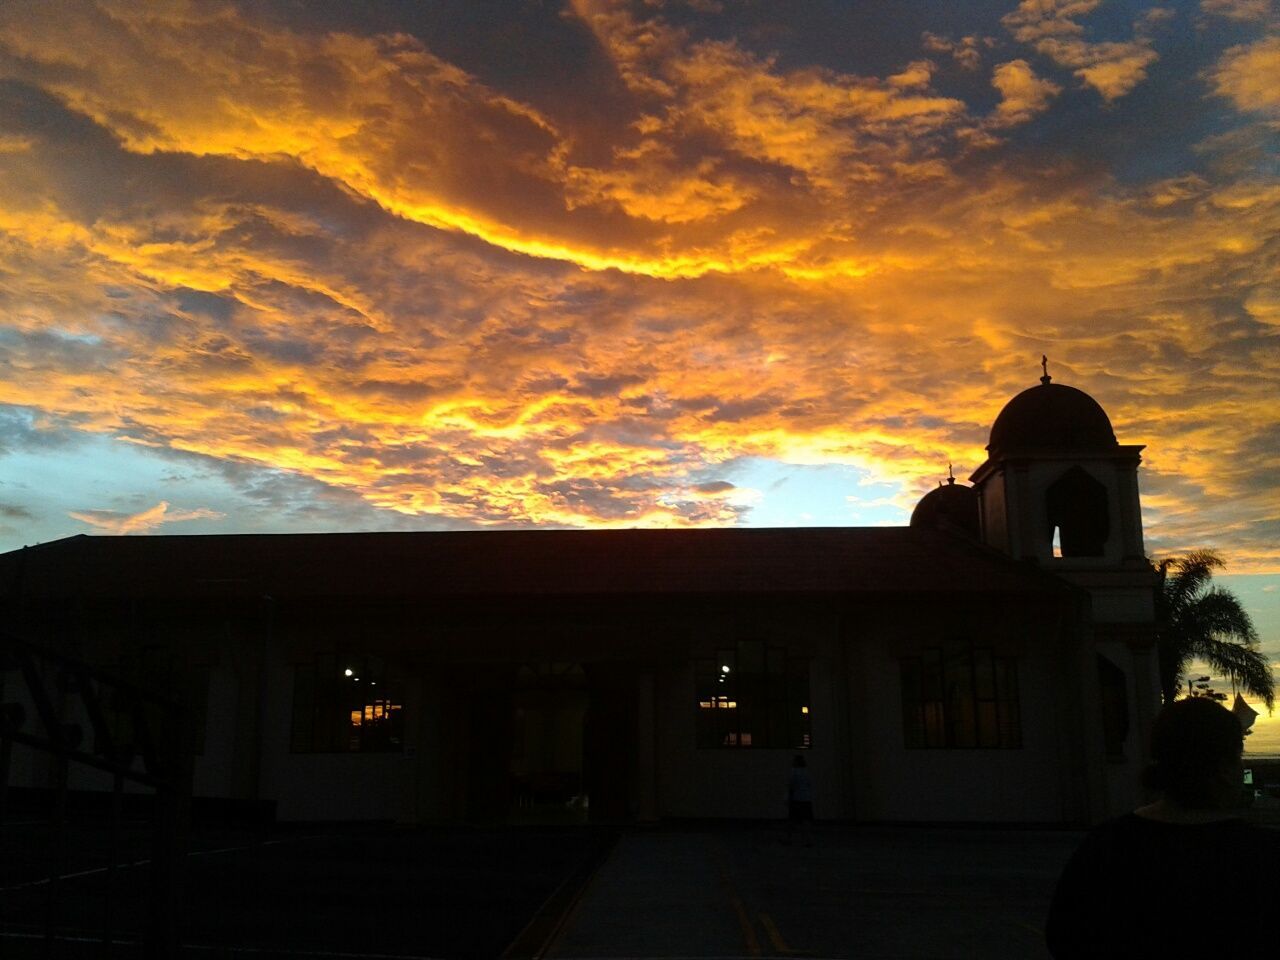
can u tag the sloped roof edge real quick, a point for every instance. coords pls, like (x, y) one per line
(464, 564)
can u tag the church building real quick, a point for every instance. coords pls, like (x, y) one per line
(993, 661)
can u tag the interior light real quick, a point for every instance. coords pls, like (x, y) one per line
(804, 709)
(346, 672)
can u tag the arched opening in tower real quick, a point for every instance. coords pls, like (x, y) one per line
(1076, 510)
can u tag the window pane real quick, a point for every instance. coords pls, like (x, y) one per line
(984, 675)
(958, 678)
(934, 731)
(988, 724)
(751, 656)
(1007, 694)
(931, 675)
(958, 697)
(757, 702)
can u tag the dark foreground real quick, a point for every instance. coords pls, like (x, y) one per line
(354, 891)
(673, 890)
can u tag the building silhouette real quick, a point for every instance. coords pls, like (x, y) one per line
(992, 661)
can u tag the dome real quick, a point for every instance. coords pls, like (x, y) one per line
(1051, 416)
(950, 505)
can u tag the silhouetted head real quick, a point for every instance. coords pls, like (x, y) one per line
(1195, 754)
(798, 760)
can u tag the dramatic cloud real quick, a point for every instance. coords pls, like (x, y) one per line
(1022, 93)
(1247, 76)
(460, 277)
(1259, 10)
(1112, 67)
(111, 521)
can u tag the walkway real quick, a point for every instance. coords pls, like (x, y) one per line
(909, 892)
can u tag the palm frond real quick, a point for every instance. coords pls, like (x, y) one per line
(1246, 666)
(1185, 577)
(1195, 620)
(1220, 613)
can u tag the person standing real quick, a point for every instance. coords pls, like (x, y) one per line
(1183, 875)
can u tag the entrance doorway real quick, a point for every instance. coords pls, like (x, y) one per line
(549, 703)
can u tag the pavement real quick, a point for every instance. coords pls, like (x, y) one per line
(672, 890)
(843, 891)
(352, 891)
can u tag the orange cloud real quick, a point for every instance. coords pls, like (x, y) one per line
(348, 258)
(114, 522)
(1022, 93)
(1113, 68)
(1256, 10)
(1247, 74)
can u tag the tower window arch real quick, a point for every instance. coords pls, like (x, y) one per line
(1076, 509)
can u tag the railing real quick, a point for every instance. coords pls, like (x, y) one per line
(48, 700)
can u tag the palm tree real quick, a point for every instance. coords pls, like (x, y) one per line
(1195, 621)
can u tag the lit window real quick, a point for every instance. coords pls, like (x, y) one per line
(959, 696)
(346, 704)
(753, 695)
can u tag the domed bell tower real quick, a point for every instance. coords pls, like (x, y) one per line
(1057, 488)
(1059, 491)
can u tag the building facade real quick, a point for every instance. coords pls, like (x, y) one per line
(993, 661)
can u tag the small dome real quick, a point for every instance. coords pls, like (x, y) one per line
(951, 505)
(1051, 416)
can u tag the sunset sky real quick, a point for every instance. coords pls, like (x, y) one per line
(287, 266)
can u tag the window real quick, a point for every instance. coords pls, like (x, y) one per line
(753, 695)
(1076, 514)
(346, 704)
(958, 696)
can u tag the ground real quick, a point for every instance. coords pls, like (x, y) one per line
(301, 892)
(904, 892)
(671, 890)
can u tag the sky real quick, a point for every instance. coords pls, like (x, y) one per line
(287, 266)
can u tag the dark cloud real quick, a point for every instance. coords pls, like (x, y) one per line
(715, 486)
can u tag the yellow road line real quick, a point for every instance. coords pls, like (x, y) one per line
(749, 938)
(744, 921)
(774, 934)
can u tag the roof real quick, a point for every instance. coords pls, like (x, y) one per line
(953, 504)
(1051, 416)
(472, 564)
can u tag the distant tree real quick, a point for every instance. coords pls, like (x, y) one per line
(1196, 621)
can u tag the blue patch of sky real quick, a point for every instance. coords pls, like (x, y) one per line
(11, 336)
(1259, 594)
(42, 484)
(94, 472)
(812, 495)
